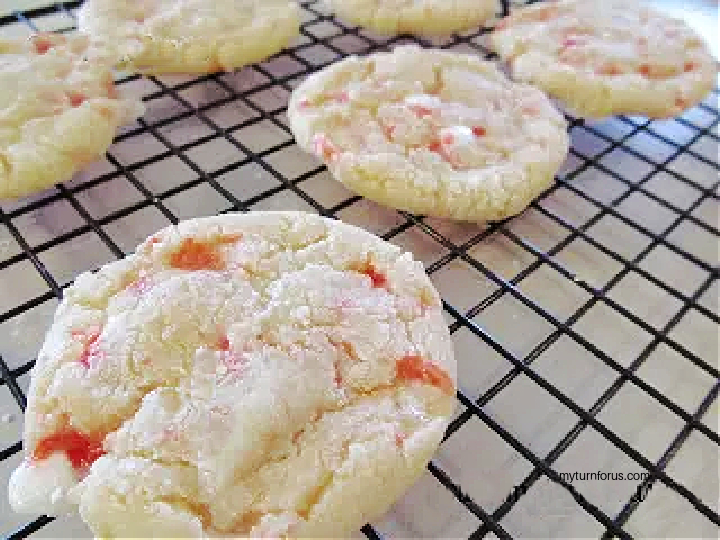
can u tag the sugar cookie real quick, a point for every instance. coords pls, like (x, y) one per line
(431, 132)
(423, 17)
(269, 374)
(59, 110)
(191, 36)
(606, 58)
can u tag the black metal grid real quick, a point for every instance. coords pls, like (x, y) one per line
(337, 40)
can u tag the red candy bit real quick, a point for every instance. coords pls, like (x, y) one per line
(479, 131)
(223, 344)
(570, 42)
(42, 43)
(88, 338)
(447, 139)
(681, 103)
(689, 66)
(325, 148)
(337, 378)
(76, 98)
(378, 279)
(609, 69)
(304, 104)
(400, 439)
(435, 146)
(450, 157)
(656, 72)
(389, 131)
(412, 368)
(80, 449)
(421, 111)
(194, 255)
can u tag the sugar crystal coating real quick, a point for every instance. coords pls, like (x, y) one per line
(59, 110)
(191, 36)
(431, 132)
(605, 58)
(246, 374)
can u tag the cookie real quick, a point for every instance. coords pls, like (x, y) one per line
(431, 132)
(268, 374)
(607, 58)
(191, 36)
(424, 17)
(59, 110)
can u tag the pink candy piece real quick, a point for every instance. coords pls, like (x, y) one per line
(88, 338)
(421, 111)
(325, 148)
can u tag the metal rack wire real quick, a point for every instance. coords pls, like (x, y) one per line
(325, 39)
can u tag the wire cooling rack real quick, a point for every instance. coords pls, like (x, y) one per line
(585, 329)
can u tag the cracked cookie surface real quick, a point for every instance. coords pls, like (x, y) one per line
(605, 58)
(191, 36)
(59, 110)
(264, 374)
(431, 132)
(423, 17)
